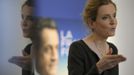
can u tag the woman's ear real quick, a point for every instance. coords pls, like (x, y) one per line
(91, 24)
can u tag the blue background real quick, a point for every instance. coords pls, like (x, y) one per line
(68, 16)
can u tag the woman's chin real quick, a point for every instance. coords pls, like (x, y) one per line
(111, 35)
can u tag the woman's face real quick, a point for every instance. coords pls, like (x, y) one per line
(48, 54)
(106, 22)
(27, 20)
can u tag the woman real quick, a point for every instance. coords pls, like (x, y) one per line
(93, 55)
(45, 47)
(27, 23)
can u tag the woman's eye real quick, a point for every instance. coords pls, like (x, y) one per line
(31, 18)
(104, 18)
(114, 16)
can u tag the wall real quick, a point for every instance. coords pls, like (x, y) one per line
(125, 34)
(11, 39)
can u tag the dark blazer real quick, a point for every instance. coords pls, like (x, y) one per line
(82, 60)
(27, 49)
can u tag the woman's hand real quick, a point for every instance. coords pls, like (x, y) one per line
(24, 62)
(109, 61)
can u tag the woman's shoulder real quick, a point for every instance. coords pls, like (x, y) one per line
(27, 48)
(78, 43)
(77, 49)
(114, 48)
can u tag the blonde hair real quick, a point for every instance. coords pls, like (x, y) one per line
(91, 9)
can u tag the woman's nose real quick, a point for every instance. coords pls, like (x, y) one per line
(24, 23)
(112, 21)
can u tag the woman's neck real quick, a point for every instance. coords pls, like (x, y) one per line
(98, 44)
(96, 38)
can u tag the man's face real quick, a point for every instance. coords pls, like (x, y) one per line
(47, 58)
(27, 20)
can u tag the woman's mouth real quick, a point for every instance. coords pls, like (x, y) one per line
(113, 29)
